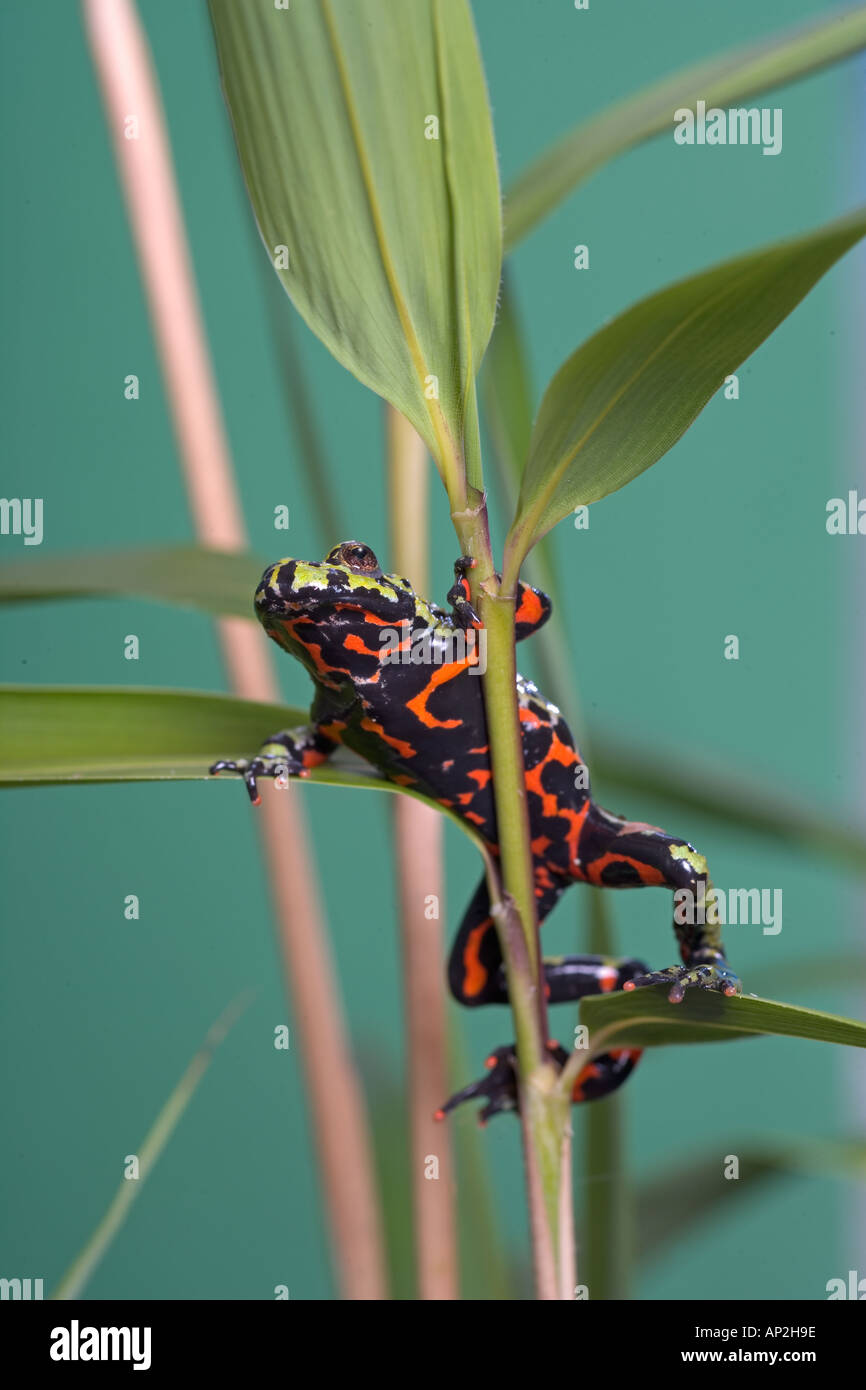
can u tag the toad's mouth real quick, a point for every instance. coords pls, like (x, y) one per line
(327, 606)
(334, 612)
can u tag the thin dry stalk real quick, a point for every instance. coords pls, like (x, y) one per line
(130, 92)
(419, 847)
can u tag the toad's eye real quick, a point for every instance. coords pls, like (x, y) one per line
(357, 556)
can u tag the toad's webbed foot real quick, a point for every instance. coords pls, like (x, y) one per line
(499, 1087)
(707, 970)
(279, 766)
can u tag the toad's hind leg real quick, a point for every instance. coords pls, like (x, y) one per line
(475, 964)
(477, 976)
(616, 853)
(498, 1089)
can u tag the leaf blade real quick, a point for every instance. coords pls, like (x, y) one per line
(719, 81)
(645, 1018)
(625, 397)
(506, 392)
(56, 735)
(327, 102)
(222, 583)
(214, 581)
(52, 734)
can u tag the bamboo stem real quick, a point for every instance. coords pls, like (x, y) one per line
(567, 1251)
(129, 88)
(544, 1111)
(544, 1263)
(419, 848)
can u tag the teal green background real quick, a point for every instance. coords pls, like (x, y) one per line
(726, 535)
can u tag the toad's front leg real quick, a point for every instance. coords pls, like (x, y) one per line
(290, 753)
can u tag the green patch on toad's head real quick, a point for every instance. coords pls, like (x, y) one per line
(329, 612)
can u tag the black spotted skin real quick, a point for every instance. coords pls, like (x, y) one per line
(396, 679)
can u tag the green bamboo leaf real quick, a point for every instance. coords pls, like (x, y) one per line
(722, 81)
(628, 394)
(215, 581)
(645, 1018)
(506, 393)
(692, 785)
(222, 583)
(51, 735)
(507, 404)
(697, 1188)
(78, 1274)
(391, 223)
